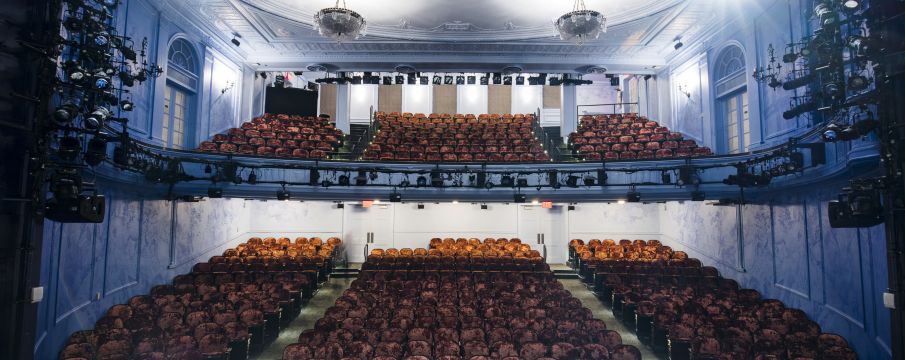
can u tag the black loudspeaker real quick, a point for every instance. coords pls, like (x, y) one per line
(82, 209)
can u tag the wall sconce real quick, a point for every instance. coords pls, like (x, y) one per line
(229, 86)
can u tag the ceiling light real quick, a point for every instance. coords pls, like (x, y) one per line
(340, 23)
(581, 24)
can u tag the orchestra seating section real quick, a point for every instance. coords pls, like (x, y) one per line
(455, 138)
(630, 137)
(688, 311)
(418, 305)
(281, 136)
(224, 309)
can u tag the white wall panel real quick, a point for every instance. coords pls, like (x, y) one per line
(404, 225)
(472, 99)
(527, 99)
(362, 99)
(417, 98)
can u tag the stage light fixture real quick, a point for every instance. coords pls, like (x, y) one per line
(831, 134)
(420, 206)
(97, 118)
(602, 177)
(484, 207)
(127, 105)
(344, 180)
(521, 182)
(851, 4)
(799, 82)
(800, 109)
(395, 197)
(519, 198)
(688, 175)
(421, 181)
(283, 195)
(858, 82)
(214, 193)
(362, 178)
(572, 181)
(101, 80)
(436, 178)
(66, 112)
(70, 147)
(666, 178)
(698, 196)
(314, 177)
(96, 151)
(633, 197)
(507, 181)
(252, 178)
(208, 169)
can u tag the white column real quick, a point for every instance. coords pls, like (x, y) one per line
(569, 111)
(342, 107)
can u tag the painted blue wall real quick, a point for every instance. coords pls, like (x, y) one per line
(87, 268)
(222, 97)
(752, 26)
(782, 245)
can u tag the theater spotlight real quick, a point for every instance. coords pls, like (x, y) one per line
(101, 80)
(799, 82)
(589, 180)
(252, 178)
(572, 181)
(362, 178)
(857, 206)
(214, 193)
(666, 178)
(97, 118)
(436, 178)
(96, 151)
(507, 181)
(602, 177)
(126, 105)
(70, 147)
(66, 112)
(688, 175)
(698, 196)
(344, 180)
(395, 197)
(633, 197)
(314, 177)
(283, 195)
(521, 182)
(519, 198)
(800, 109)
(438, 80)
(421, 181)
(831, 134)
(858, 82)
(851, 4)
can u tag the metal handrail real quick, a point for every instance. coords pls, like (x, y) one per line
(614, 105)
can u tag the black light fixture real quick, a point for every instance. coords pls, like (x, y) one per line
(602, 177)
(70, 147)
(570, 207)
(344, 180)
(420, 206)
(436, 178)
(507, 181)
(126, 105)
(678, 45)
(698, 196)
(688, 175)
(96, 151)
(858, 82)
(572, 181)
(283, 194)
(66, 112)
(633, 196)
(553, 179)
(362, 178)
(208, 169)
(314, 177)
(252, 177)
(235, 40)
(522, 182)
(484, 207)
(438, 80)
(421, 181)
(395, 197)
(519, 198)
(214, 193)
(589, 180)
(97, 118)
(666, 178)
(800, 110)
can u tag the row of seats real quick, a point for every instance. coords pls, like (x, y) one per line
(629, 136)
(451, 138)
(224, 309)
(454, 313)
(280, 136)
(474, 246)
(531, 261)
(688, 311)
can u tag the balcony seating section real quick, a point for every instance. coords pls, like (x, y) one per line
(421, 306)
(630, 137)
(455, 138)
(224, 309)
(280, 136)
(688, 311)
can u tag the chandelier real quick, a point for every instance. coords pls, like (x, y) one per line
(340, 23)
(580, 24)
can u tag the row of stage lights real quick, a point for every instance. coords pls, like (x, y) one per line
(417, 78)
(96, 66)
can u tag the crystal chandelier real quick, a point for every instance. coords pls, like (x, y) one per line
(580, 24)
(340, 23)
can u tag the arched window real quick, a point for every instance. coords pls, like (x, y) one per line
(732, 100)
(179, 95)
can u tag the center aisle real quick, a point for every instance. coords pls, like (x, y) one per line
(311, 312)
(590, 301)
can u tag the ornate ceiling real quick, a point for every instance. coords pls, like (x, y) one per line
(444, 35)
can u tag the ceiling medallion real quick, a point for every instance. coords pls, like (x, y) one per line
(581, 24)
(339, 23)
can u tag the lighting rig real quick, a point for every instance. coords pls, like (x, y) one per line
(96, 66)
(834, 65)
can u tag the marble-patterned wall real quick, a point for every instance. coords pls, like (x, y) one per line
(87, 268)
(782, 245)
